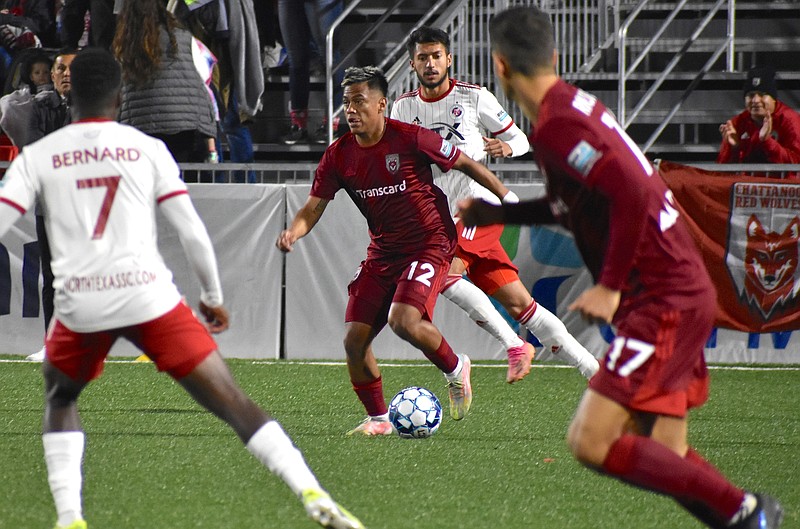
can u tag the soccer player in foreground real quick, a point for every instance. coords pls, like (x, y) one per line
(100, 183)
(462, 113)
(384, 166)
(650, 282)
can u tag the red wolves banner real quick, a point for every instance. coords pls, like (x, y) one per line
(748, 229)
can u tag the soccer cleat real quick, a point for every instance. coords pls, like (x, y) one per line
(519, 362)
(326, 512)
(768, 514)
(460, 391)
(77, 524)
(38, 356)
(371, 426)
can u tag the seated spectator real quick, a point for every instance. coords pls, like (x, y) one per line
(16, 107)
(767, 131)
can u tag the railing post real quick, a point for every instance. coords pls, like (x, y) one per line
(730, 66)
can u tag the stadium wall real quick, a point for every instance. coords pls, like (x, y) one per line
(304, 319)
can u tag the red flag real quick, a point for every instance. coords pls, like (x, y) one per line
(748, 229)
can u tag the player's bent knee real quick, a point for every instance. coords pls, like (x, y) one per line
(585, 448)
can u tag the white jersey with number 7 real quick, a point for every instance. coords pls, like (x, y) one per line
(99, 183)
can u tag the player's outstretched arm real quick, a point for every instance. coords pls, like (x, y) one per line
(304, 221)
(196, 243)
(477, 212)
(481, 174)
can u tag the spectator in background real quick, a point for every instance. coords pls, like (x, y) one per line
(304, 24)
(16, 107)
(767, 131)
(102, 22)
(49, 112)
(229, 30)
(162, 93)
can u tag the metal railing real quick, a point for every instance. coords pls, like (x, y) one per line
(626, 71)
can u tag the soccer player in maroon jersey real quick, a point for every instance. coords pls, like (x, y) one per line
(650, 283)
(385, 167)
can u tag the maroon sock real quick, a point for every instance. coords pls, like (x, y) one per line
(371, 396)
(650, 465)
(444, 358)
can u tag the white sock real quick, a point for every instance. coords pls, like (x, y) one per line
(453, 375)
(384, 417)
(478, 306)
(63, 454)
(551, 331)
(273, 448)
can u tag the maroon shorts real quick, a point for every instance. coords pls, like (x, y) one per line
(414, 280)
(176, 342)
(656, 362)
(488, 264)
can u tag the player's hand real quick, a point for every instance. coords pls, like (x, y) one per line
(285, 241)
(597, 305)
(476, 212)
(766, 127)
(729, 133)
(496, 148)
(217, 319)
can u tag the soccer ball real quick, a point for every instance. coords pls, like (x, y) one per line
(415, 413)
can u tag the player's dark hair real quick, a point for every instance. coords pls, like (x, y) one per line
(372, 75)
(524, 36)
(96, 79)
(427, 34)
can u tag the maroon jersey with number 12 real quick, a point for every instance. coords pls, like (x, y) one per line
(391, 183)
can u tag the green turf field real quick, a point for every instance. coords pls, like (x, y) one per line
(155, 460)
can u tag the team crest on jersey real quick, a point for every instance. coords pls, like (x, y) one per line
(582, 157)
(764, 246)
(393, 163)
(457, 111)
(446, 149)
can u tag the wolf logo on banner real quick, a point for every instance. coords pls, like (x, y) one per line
(763, 249)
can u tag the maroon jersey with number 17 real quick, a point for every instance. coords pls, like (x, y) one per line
(603, 189)
(391, 183)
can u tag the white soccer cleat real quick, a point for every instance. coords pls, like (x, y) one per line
(460, 391)
(372, 427)
(38, 356)
(322, 509)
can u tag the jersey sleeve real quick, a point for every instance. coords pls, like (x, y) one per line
(494, 118)
(168, 181)
(441, 152)
(326, 180)
(19, 187)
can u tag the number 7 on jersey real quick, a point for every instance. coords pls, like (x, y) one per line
(111, 183)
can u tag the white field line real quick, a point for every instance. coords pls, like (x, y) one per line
(497, 365)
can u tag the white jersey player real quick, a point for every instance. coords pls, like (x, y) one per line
(471, 118)
(468, 116)
(100, 183)
(94, 177)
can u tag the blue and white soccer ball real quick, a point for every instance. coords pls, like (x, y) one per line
(415, 413)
